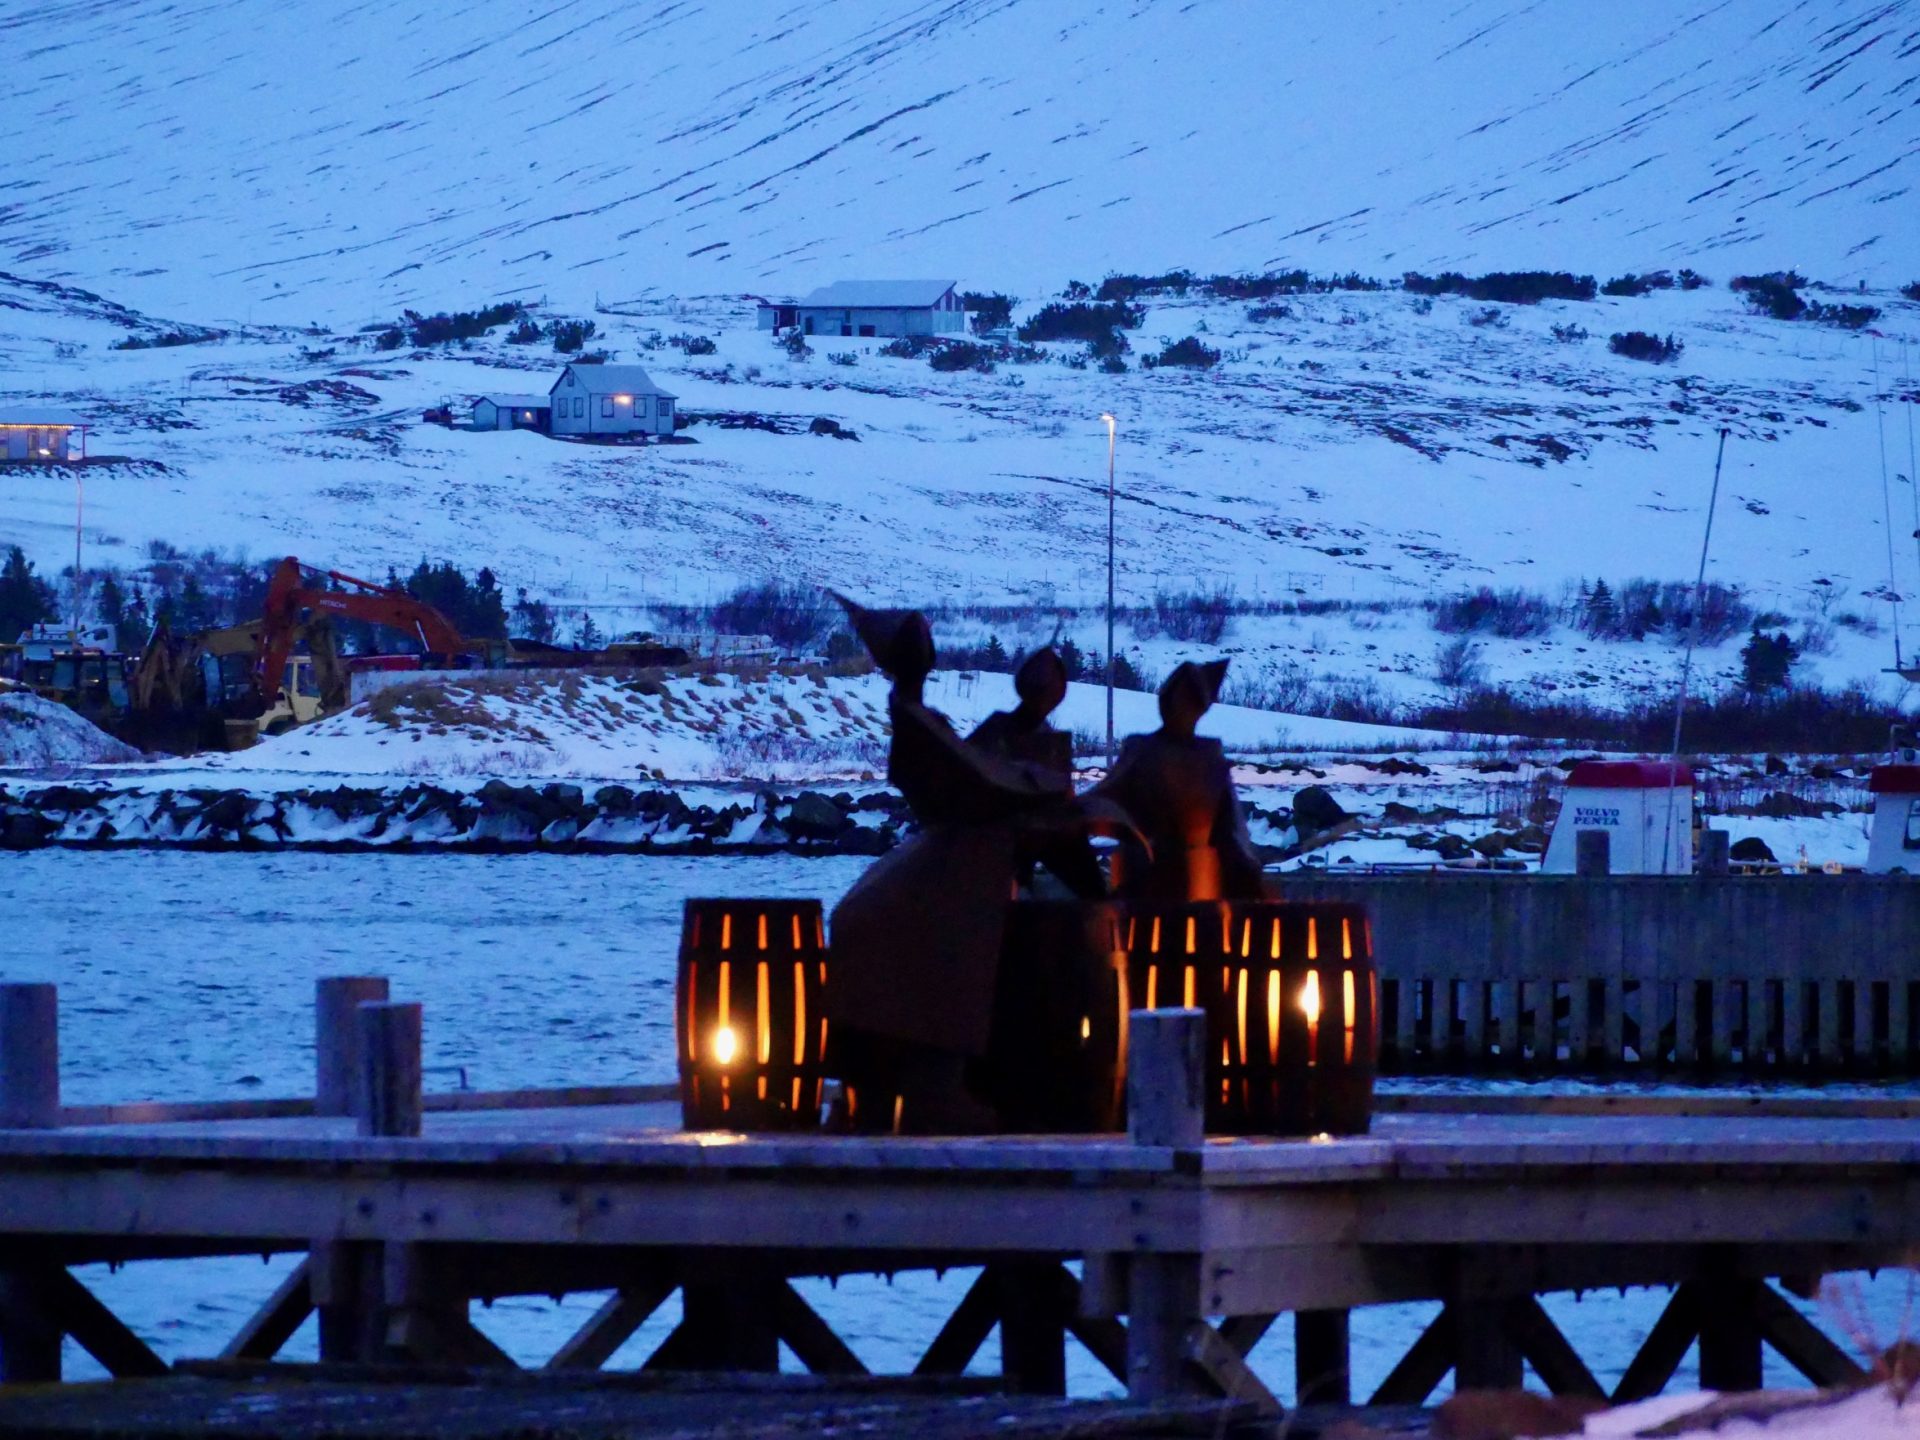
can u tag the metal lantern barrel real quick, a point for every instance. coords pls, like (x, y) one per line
(1057, 1049)
(1292, 1005)
(750, 1028)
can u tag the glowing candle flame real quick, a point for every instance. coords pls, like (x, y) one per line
(726, 1045)
(1310, 997)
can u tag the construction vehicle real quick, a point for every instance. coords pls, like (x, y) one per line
(197, 692)
(227, 688)
(77, 667)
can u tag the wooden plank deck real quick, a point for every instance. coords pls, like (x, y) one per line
(1187, 1248)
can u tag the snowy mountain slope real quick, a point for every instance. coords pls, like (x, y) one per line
(337, 159)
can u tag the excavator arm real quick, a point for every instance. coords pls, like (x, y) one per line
(289, 595)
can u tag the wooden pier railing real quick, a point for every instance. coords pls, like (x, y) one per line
(1786, 975)
(1165, 1255)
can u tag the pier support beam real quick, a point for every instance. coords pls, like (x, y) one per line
(30, 1337)
(728, 1320)
(1322, 1366)
(1729, 1311)
(1033, 1326)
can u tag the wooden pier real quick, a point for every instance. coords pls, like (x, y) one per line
(1165, 1256)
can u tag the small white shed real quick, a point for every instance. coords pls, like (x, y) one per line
(510, 412)
(1645, 808)
(1893, 844)
(610, 400)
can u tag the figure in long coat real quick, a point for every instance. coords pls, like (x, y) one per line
(1177, 787)
(916, 943)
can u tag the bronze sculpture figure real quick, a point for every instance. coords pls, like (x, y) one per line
(916, 942)
(1177, 787)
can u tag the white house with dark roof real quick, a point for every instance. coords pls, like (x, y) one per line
(610, 400)
(510, 412)
(874, 307)
(42, 434)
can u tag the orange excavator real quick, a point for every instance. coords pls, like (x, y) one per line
(228, 687)
(291, 600)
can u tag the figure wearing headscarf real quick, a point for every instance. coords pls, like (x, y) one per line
(1023, 734)
(916, 943)
(1177, 788)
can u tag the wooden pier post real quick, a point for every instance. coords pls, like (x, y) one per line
(390, 1068)
(1165, 1075)
(29, 1057)
(1165, 1106)
(336, 1038)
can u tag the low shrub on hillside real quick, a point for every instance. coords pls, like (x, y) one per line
(1570, 334)
(167, 339)
(1847, 317)
(793, 616)
(571, 336)
(1262, 314)
(1081, 321)
(1490, 318)
(1197, 617)
(1507, 287)
(1778, 295)
(1693, 280)
(1639, 345)
(694, 344)
(1189, 353)
(445, 327)
(1912, 292)
(989, 310)
(1231, 287)
(1510, 614)
(961, 355)
(1638, 284)
(909, 347)
(525, 333)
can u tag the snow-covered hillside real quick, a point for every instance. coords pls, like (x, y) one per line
(334, 160)
(1373, 448)
(176, 172)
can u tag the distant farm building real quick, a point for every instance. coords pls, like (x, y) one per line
(512, 412)
(873, 307)
(39, 435)
(778, 314)
(609, 400)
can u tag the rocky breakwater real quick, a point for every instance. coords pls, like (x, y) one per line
(497, 817)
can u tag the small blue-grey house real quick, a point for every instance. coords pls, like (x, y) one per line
(609, 400)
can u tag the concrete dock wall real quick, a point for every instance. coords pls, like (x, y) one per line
(1765, 972)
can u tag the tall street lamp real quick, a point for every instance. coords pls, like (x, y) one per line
(79, 516)
(1110, 443)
